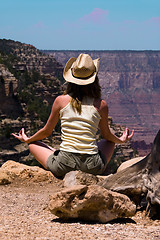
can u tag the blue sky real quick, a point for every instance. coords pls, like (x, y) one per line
(81, 25)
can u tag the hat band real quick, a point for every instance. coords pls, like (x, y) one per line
(82, 77)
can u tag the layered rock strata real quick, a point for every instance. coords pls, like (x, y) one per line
(130, 83)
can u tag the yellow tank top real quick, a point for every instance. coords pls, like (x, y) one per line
(78, 131)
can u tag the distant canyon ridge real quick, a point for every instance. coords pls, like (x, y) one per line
(130, 83)
(30, 80)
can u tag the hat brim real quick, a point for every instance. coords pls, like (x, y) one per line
(68, 76)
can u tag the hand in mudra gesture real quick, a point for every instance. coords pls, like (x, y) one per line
(21, 136)
(126, 135)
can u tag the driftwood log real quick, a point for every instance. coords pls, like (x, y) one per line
(141, 181)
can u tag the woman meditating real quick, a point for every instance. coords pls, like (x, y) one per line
(82, 112)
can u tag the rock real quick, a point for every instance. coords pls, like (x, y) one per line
(4, 177)
(79, 178)
(102, 178)
(129, 163)
(90, 203)
(74, 178)
(19, 171)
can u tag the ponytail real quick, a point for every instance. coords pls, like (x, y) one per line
(78, 92)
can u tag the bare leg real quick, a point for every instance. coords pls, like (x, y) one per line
(107, 149)
(41, 152)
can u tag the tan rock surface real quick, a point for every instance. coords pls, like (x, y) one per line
(91, 203)
(24, 216)
(19, 171)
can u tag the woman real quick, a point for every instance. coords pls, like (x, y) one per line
(82, 113)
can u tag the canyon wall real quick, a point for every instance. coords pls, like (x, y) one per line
(29, 83)
(130, 83)
(25, 72)
(30, 80)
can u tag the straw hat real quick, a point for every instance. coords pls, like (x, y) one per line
(81, 70)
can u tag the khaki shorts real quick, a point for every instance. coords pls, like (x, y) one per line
(61, 162)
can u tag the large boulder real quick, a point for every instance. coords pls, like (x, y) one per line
(90, 203)
(19, 171)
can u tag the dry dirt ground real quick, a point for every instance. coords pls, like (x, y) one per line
(24, 216)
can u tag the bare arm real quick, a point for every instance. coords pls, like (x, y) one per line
(47, 129)
(104, 128)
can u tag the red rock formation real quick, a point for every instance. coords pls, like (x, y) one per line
(130, 83)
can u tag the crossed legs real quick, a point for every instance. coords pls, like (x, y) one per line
(41, 151)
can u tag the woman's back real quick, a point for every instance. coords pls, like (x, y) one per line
(79, 130)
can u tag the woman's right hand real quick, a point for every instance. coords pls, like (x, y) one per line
(126, 135)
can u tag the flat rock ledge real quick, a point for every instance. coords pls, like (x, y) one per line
(91, 203)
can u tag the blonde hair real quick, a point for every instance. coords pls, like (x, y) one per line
(78, 92)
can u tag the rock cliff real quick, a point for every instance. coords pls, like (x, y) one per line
(26, 75)
(29, 83)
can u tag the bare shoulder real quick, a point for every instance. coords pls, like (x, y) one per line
(62, 101)
(101, 106)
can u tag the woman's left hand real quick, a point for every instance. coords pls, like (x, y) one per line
(126, 136)
(21, 136)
